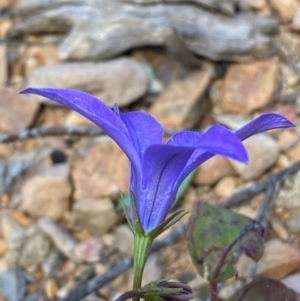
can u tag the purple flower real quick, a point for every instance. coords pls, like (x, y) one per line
(157, 168)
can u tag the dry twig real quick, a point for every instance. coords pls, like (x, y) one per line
(59, 131)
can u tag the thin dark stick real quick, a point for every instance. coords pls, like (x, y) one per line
(59, 131)
(51, 131)
(245, 194)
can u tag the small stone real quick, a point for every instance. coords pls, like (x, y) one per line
(289, 142)
(263, 153)
(289, 196)
(26, 247)
(287, 138)
(249, 87)
(247, 211)
(294, 223)
(182, 105)
(286, 8)
(153, 269)
(294, 152)
(43, 54)
(76, 119)
(292, 282)
(226, 187)
(97, 216)
(278, 261)
(120, 81)
(48, 193)
(211, 171)
(7, 3)
(17, 111)
(3, 247)
(283, 162)
(296, 20)
(258, 4)
(61, 238)
(22, 219)
(103, 172)
(89, 250)
(228, 290)
(51, 289)
(279, 228)
(3, 66)
(124, 240)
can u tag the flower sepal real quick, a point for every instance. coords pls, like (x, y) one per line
(160, 290)
(172, 219)
(136, 224)
(163, 289)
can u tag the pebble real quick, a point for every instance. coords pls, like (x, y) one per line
(294, 223)
(3, 247)
(279, 228)
(226, 186)
(289, 196)
(279, 260)
(103, 172)
(249, 87)
(123, 240)
(292, 282)
(47, 194)
(263, 153)
(26, 247)
(182, 103)
(96, 216)
(286, 8)
(214, 169)
(296, 19)
(17, 111)
(61, 238)
(89, 250)
(120, 81)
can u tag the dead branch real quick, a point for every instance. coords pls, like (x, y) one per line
(59, 131)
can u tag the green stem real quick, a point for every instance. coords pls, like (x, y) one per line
(142, 245)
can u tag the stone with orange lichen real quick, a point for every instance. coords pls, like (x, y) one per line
(249, 87)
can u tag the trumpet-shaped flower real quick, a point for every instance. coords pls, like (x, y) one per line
(157, 168)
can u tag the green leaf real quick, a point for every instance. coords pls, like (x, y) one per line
(216, 235)
(265, 289)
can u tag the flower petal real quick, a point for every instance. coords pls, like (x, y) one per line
(217, 140)
(161, 166)
(143, 129)
(263, 123)
(94, 110)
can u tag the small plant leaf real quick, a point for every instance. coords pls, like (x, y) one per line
(216, 235)
(265, 289)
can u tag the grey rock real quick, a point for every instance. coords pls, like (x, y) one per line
(96, 216)
(27, 247)
(120, 81)
(263, 153)
(289, 194)
(123, 240)
(17, 111)
(47, 194)
(13, 284)
(97, 29)
(294, 223)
